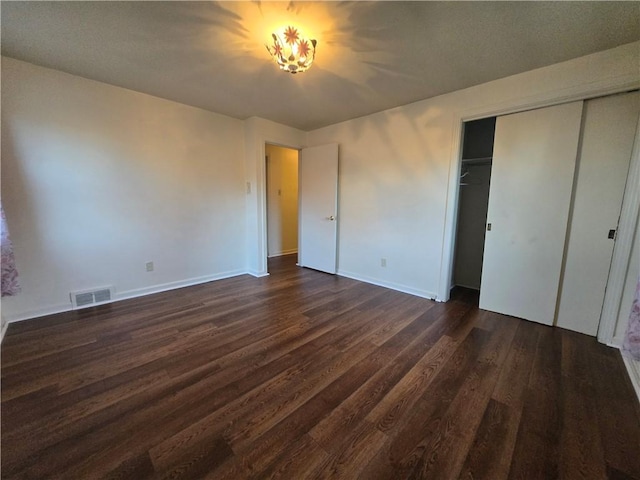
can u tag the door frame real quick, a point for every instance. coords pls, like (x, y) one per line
(623, 246)
(264, 232)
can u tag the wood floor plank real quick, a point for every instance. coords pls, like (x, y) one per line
(242, 433)
(271, 445)
(581, 454)
(61, 410)
(616, 413)
(489, 457)
(190, 414)
(357, 449)
(302, 460)
(404, 448)
(138, 466)
(514, 378)
(353, 410)
(203, 458)
(307, 375)
(536, 452)
(391, 409)
(448, 438)
(232, 414)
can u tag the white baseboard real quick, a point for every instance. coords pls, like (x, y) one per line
(633, 369)
(138, 292)
(284, 252)
(393, 286)
(3, 328)
(633, 366)
(258, 274)
(141, 292)
(39, 312)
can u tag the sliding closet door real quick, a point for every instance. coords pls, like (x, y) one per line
(534, 159)
(608, 133)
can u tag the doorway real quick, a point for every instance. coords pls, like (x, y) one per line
(473, 202)
(300, 205)
(282, 200)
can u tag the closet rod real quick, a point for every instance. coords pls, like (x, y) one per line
(477, 159)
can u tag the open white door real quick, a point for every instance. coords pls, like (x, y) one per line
(318, 197)
(532, 173)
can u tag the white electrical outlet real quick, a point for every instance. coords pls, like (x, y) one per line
(149, 266)
(383, 262)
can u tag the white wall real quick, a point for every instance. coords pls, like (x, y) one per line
(98, 180)
(398, 168)
(282, 200)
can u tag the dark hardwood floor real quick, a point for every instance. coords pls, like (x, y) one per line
(307, 375)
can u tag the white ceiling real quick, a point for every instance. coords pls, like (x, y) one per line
(371, 55)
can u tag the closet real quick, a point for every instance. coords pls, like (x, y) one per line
(557, 181)
(473, 199)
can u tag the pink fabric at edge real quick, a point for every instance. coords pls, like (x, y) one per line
(10, 285)
(631, 343)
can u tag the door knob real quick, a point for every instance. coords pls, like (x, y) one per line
(332, 218)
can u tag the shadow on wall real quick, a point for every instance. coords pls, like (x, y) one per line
(19, 213)
(394, 180)
(61, 207)
(98, 180)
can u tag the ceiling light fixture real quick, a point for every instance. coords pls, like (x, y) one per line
(291, 51)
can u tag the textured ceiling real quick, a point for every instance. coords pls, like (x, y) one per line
(371, 55)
